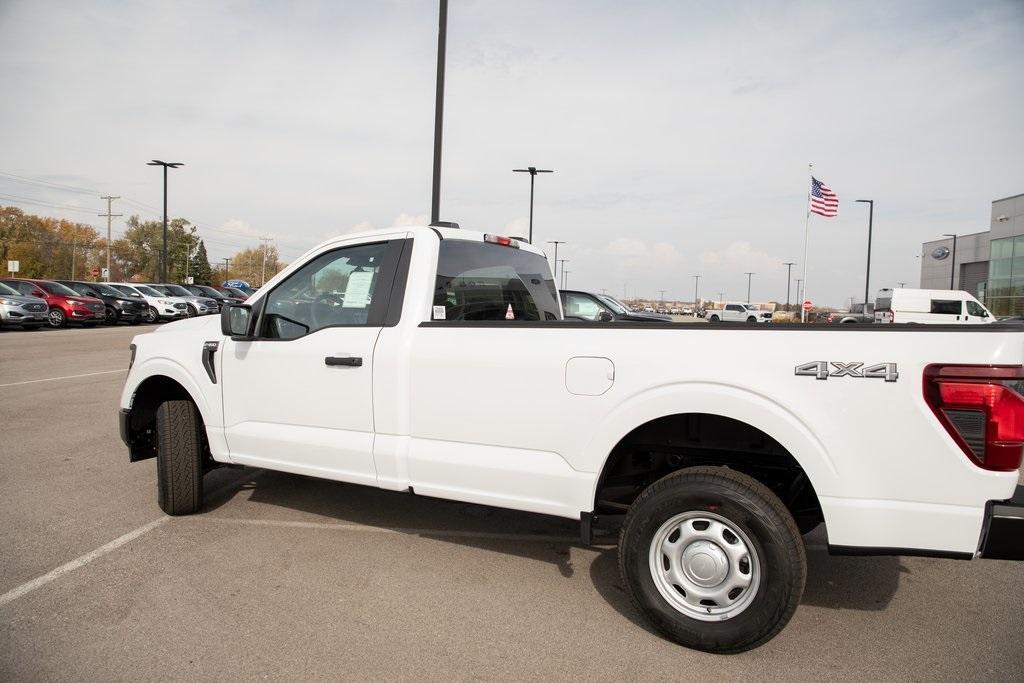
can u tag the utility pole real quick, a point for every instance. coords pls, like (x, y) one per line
(696, 283)
(721, 296)
(263, 276)
(565, 277)
(750, 276)
(533, 171)
(562, 280)
(662, 296)
(226, 262)
(74, 246)
(556, 243)
(108, 216)
(798, 294)
(442, 41)
(789, 270)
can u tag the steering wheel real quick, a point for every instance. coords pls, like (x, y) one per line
(316, 313)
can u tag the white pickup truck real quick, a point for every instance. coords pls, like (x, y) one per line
(436, 361)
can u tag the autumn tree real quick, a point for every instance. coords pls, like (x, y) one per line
(248, 264)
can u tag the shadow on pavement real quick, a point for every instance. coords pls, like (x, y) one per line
(857, 583)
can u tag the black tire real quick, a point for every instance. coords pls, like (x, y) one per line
(751, 319)
(151, 315)
(179, 458)
(110, 316)
(715, 319)
(191, 311)
(753, 509)
(56, 318)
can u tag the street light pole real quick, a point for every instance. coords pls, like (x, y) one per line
(442, 41)
(562, 261)
(696, 284)
(556, 243)
(565, 277)
(750, 276)
(533, 171)
(789, 270)
(799, 296)
(871, 219)
(163, 252)
(952, 261)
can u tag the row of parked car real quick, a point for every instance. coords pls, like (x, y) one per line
(30, 303)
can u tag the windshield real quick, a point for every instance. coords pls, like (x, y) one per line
(57, 288)
(127, 290)
(105, 290)
(4, 289)
(148, 291)
(750, 307)
(613, 303)
(208, 291)
(177, 290)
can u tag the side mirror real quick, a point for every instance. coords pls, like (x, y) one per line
(236, 322)
(605, 317)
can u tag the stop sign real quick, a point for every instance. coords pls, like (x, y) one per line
(808, 305)
(95, 272)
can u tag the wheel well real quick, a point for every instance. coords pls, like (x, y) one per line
(142, 425)
(670, 443)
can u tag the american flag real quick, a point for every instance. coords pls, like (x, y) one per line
(824, 201)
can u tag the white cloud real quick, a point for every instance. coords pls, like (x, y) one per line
(404, 220)
(741, 257)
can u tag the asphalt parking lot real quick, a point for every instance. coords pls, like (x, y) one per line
(287, 577)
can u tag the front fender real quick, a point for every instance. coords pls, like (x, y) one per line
(167, 367)
(724, 400)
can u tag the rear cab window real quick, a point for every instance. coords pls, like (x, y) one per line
(484, 281)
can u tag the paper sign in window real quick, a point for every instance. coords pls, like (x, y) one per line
(357, 294)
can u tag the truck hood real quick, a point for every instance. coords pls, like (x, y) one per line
(207, 325)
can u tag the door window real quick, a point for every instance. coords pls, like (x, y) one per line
(336, 289)
(974, 308)
(734, 307)
(582, 306)
(946, 307)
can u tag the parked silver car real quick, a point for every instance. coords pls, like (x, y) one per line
(17, 309)
(197, 305)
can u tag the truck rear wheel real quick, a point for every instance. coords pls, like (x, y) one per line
(712, 559)
(179, 457)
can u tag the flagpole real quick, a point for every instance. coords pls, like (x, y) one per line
(807, 233)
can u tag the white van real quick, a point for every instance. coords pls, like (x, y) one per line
(930, 307)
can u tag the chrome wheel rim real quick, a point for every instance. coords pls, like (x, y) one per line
(704, 566)
(151, 315)
(56, 318)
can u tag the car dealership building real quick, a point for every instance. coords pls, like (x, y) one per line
(988, 264)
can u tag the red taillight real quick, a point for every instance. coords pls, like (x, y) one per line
(982, 409)
(503, 241)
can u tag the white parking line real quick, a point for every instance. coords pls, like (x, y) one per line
(54, 379)
(74, 564)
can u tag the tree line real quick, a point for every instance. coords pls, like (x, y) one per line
(52, 248)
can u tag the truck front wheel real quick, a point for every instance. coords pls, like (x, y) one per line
(179, 457)
(713, 559)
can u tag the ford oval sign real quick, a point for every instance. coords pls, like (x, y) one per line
(939, 253)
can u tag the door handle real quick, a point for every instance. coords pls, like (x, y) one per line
(351, 361)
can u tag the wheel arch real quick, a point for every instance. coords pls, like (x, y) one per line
(667, 409)
(160, 381)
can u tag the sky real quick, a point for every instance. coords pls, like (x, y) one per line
(680, 132)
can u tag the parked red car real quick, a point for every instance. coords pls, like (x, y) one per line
(64, 304)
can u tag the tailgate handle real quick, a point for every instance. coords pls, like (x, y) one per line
(351, 361)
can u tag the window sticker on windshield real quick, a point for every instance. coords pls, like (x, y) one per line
(357, 293)
(509, 315)
(439, 313)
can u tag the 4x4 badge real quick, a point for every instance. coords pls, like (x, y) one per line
(819, 369)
